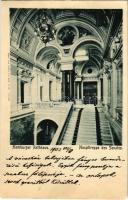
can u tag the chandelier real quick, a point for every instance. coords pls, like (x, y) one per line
(44, 27)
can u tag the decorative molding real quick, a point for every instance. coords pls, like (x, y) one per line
(25, 74)
(107, 67)
(17, 54)
(24, 64)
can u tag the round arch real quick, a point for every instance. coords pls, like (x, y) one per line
(85, 24)
(88, 40)
(48, 47)
(45, 131)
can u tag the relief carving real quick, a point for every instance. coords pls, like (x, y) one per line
(26, 40)
(25, 74)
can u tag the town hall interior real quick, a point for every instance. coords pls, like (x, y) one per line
(66, 76)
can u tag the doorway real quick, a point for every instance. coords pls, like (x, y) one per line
(45, 131)
(90, 92)
(22, 91)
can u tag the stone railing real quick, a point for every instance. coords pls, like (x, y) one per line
(50, 105)
(119, 115)
(26, 105)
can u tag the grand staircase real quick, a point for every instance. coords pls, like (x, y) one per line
(105, 130)
(87, 128)
(69, 134)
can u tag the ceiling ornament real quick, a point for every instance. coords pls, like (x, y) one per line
(67, 35)
(43, 26)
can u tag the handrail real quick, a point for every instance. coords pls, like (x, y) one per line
(63, 130)
(77, 127)
(98, 131)
(111, 134)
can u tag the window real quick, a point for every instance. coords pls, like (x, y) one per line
(22, 91)
(89, 71)
(41, 93)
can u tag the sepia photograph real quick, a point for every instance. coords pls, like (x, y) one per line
(66, 76)
(63, 84)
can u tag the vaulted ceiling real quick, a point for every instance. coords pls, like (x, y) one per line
(77, 30)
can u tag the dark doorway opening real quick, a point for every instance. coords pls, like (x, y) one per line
(45, 132)
(90, 92)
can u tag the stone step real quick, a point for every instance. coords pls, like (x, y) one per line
(86, 143)
(87, 129)
(68, 137)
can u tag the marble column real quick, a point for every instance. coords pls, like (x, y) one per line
(54, 89)
(78, 90)
(109, 89)
(99, 91)
(114, 90)
(82, 90)
(119, 87)
(63, 85)
(59, 90)
(75, 90)
(105, 90)
(46, 87)
(70, 84)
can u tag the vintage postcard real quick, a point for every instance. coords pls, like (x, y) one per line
(64, 99)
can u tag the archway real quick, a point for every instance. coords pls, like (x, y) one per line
(45, 131)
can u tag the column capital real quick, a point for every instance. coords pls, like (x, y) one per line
(66, 63)
(107, 67)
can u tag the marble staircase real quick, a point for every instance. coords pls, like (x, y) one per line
(105, 130)
(87, 128)
(69, 134)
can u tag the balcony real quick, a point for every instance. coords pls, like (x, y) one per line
(22, 110)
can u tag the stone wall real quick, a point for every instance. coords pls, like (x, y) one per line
(22, 131)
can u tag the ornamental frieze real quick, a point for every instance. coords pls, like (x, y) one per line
(24, 64)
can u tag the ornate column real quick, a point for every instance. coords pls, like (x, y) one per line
(63, 85)
(66, 68)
